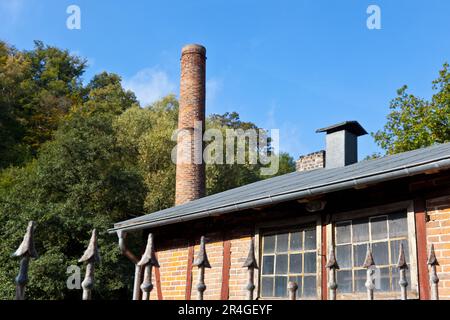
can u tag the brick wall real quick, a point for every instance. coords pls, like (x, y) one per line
(190, 176)
(311, 161)
(238, 275)
(173, 266)
(173, 262)
(438, 233)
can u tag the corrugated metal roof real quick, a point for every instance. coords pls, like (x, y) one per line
(297, 185)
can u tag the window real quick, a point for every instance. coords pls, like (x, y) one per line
(384, 235)
(289, 256)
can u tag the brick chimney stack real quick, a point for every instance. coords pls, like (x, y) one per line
(190, 175)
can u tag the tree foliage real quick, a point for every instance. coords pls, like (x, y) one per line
(415, 122)
(38, 87)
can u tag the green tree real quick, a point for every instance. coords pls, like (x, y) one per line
(415, 122)
(14, 69)
(80, 180)
(146, 134)
(38, 89)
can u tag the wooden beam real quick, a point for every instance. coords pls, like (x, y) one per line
(189, 270)
(225, 291)
(421, 238)
(158, 280)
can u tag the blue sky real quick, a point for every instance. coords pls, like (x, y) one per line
(293, 65)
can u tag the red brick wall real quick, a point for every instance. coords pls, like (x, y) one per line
(173, 262)
(238, 275)
(190, 176)
(173, 265)
(438, 233)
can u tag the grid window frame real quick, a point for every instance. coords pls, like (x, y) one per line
(297, 276)
(383, 209)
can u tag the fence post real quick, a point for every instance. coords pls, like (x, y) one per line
(332, 266)
(434, 279)
(91, 257)
(201, 262)
(26, 251)
(403, 266)
(137, 269)
(369, 264)
(251, 264)
(148, 261)
(292, 289)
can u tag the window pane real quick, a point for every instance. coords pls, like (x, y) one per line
(343, 232)
(398, 226)
(269, 244)
(280, 286)
(344, 256)
(395, 250)
(309, 286)
(382, 279)
(310, 262)
(380, 253)
(360, 280)
(310, 239)
(379, 228)
(360, 230)
(298, 281)
(282, 242)
(344, 280)
(359, 254)
(282, 264)
(295, 263)
(352, 239)
(296, 241)
(268, 264)
(267, 287)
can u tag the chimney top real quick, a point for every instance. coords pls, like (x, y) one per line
(350, 126)
(342, 143)
(193, 48)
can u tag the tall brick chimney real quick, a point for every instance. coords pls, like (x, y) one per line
(190, 175)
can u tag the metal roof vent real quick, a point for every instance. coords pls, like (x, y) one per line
(342, 143)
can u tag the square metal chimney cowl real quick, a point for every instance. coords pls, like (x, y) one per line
(342, 143)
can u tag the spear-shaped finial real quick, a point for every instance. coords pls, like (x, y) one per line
(251, 264)
(91, 256)
(432, 260)
(201, 262)
(403, 266)
(332, 266)
(368, 264)
(26, 251)
(202, 257)
(434, 279)
(148, 261)
(27, 245)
